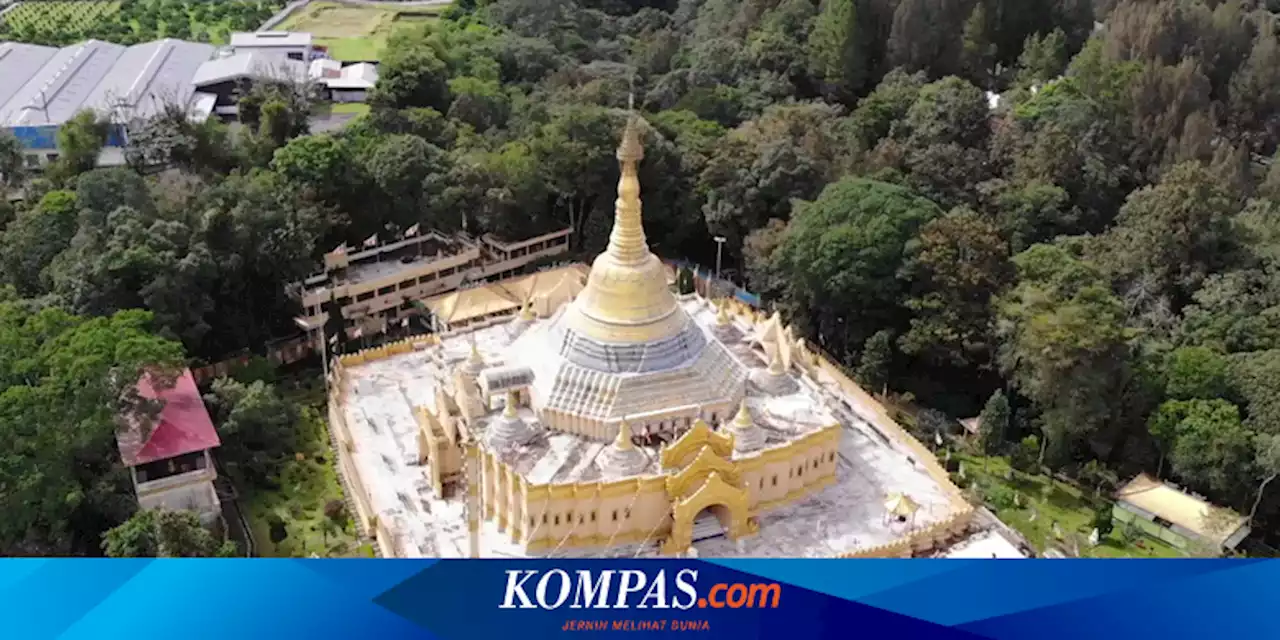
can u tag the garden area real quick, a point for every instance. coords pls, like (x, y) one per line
(276, 450)
(1051, 513)
(64, 22)
(355, 33)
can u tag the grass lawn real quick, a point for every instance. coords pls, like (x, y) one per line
(326, 109)
(357, 108)
(1053, 501)
(306, 484)
(355, 33)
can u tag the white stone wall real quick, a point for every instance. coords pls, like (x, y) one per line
(191, 491)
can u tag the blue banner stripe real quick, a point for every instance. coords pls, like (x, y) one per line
(463, 600)
(57, 593)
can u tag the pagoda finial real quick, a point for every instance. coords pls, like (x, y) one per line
(513, 399)
(627, 243)
(624, 436)
(722, 316)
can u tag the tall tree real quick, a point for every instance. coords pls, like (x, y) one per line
(164, 534)
(12, 163)
(63, 383)
(835, 51)
(1064, 344)
(1043, 58)
(1210, 448)
(80, 141)
(29, 244)
(877, 357)
(841, 255)
(257, 428)
(925, 36)
(994, 422)
(1173, 234)
(977, 47)
(959, 265)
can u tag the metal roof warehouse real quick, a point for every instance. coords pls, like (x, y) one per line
(44, 87)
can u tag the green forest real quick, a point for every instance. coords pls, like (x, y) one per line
(1064, 211)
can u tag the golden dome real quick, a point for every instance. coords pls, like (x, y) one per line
(626, 299)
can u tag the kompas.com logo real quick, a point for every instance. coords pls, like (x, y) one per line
(628, 589)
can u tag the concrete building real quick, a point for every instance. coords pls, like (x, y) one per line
(1176, 517)
(351, 83)
(228, 73)
(45, 87)
(619, 419)
(286, 44)
(376, 286)
(169, 457)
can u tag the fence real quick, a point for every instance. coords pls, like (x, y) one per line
(282, 352)
(706, 284)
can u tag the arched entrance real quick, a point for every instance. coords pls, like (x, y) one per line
(725, 503)
(712, 522)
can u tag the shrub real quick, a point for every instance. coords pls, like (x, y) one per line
(1026, 454)
(277, 530)
(1000, 497)
(1102, 520)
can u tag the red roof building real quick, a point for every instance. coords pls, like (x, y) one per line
(171, 466)
(182, 427)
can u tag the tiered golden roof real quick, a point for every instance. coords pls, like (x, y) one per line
(626, 299)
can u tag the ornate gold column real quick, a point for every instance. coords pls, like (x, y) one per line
(473, 495)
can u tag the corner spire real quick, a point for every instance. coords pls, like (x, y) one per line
(623, 440)
(513, 399)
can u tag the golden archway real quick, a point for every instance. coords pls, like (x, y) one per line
(714, 492)
(686, 447)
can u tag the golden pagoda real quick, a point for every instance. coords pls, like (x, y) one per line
(626, 298)
(625, 346)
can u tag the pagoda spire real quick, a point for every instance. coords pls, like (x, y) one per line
(627, 243)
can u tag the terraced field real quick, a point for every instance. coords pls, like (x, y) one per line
(56, 22)
(63, 22)
(356, 33)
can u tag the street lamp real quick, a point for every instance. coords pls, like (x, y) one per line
(719, 247)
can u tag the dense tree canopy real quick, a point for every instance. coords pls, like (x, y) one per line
(63, 383)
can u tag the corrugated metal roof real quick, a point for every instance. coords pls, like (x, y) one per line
(146, 76)
(248, 65)
(19, 62)
(109, 78)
